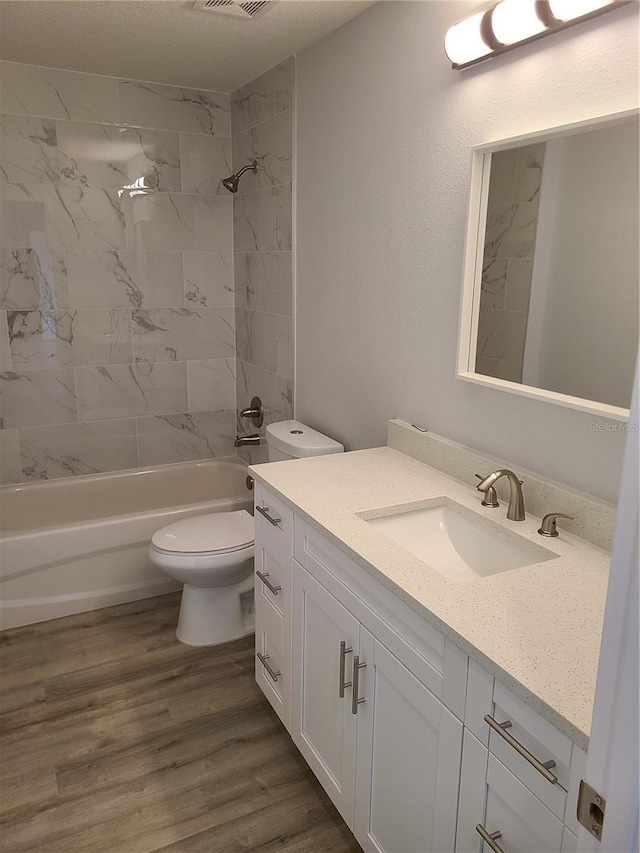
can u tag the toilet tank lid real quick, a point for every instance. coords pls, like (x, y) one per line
(299, 440)
(217, 531)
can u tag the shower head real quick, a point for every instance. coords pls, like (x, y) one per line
(231, 183)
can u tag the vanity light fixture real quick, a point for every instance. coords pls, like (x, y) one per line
(512, 22)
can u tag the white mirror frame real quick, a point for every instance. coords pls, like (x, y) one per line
(473, 259)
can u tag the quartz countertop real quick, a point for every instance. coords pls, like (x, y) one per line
(537, 629)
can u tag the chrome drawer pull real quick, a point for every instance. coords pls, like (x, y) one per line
(490, 838)
(355, 701)
(543, 769)
(264, 578)
(344, 651)
(263, 660)
(264, 511)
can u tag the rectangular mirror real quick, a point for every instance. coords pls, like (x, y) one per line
(550, 301)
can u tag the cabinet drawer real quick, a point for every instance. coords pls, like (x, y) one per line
(525, 823)
(272, 673)
(271, 622)
(539, 738)
(273, 517)
(492, 797)
(273, 574)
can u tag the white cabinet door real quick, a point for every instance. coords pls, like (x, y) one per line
(323, 727)
(408, 767)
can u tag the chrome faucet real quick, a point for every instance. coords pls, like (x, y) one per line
(515, 510)
(247, 441)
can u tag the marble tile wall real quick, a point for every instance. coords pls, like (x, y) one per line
(262, 130)
(117, 308)
(512, 218)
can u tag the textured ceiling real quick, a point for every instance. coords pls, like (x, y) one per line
(166, 41)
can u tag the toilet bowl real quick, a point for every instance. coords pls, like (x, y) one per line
(212, 555)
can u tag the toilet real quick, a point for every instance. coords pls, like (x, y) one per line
(212, 555)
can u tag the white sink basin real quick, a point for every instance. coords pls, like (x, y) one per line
(459, 544)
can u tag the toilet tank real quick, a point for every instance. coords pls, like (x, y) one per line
(293, 440)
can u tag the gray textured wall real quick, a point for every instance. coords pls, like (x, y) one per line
(384, 131)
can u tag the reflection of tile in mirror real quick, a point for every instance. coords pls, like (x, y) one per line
(511, 231)
(502, 183)
(518, 284)
(494, 280)
(529, 175)
(501, 334)
(487, 366)
(509, 370)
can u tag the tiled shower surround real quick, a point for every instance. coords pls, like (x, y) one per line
(262, 128)
(512, 220)
(117, 286)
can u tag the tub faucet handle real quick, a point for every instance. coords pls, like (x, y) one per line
(254, 412)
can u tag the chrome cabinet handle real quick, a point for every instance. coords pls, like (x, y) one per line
(264, 511)
(344, 651)
(263, 660)
(490, 838)
(355, 701)
(543, 768)
(264, 578)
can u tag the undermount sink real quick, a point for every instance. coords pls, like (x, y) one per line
(457, 542)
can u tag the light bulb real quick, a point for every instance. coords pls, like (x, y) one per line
(463, 42)
(567, 10)
(515, 20)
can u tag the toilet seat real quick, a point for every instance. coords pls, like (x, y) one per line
(206, 535)
(212, 550)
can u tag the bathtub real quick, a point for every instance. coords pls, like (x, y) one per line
(78, 544)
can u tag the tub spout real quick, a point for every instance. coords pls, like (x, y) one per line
(247, 440)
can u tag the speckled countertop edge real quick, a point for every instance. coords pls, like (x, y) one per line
(536, 629)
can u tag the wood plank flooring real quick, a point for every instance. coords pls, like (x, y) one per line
(115, 738)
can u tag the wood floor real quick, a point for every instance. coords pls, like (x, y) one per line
(115, 738)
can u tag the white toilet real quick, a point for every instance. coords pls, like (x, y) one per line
(212, 555)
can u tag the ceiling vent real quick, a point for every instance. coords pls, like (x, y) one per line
(236, 9)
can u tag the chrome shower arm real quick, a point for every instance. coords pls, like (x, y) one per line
(253, 166)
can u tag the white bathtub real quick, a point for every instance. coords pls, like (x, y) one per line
(77, 544)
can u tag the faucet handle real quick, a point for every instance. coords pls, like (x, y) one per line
(254, 412)
(490, 496)
(548, 527)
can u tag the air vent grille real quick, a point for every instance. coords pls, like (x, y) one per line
(234, 8)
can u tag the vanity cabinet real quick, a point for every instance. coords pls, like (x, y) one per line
(406, 734)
